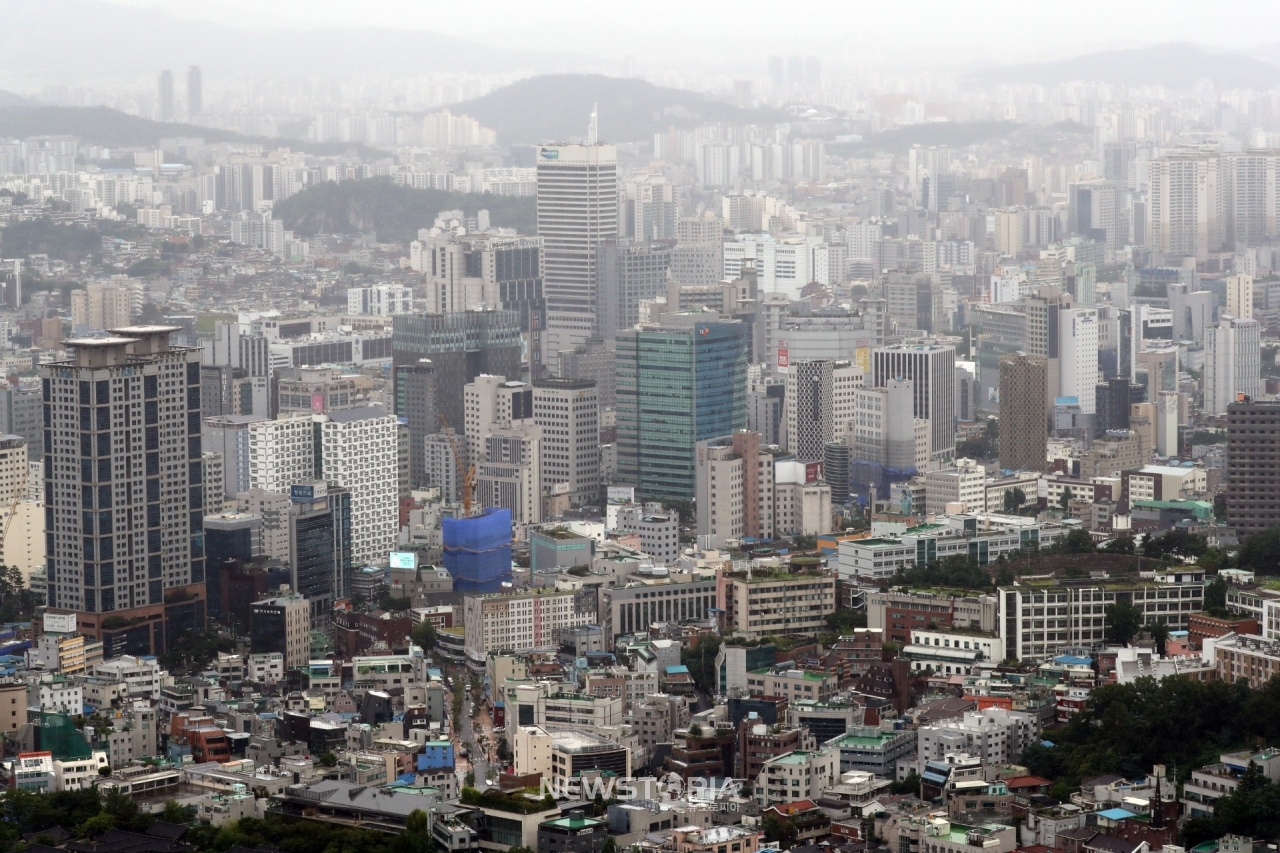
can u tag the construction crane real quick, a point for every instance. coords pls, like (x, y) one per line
(12, 509)
(466, 472)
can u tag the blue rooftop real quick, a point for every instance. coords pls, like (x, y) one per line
(677, 670)
(1072, 660)
(1117, 814)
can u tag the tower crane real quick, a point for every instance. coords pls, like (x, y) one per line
(466, 472)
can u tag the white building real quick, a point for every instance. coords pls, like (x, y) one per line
(359, 452)
(142, 677)
(577, 208)
(964, 484)
(798, 775)
(518, 622)
(568, 410)
(380, 299)
(281, 453)
(1078, 356)
(782, 266)
(1232, 362)
(1185, 204)
(996, 735)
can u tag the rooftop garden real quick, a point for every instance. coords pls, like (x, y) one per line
(514, 803)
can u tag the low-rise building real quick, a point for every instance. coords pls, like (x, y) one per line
(799, 775)
(872, 749)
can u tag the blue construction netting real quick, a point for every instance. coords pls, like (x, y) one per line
(477, 551)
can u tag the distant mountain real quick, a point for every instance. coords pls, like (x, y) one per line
(8, 99)
(1176, 66)
(557, 108)
(86, 28)
(394, 213)
(114, 129)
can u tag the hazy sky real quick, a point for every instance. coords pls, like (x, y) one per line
(843, 31)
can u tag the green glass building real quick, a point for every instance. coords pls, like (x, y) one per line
(677, 384)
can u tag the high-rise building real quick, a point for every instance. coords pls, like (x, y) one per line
(123, 488)
(1232, 362)
(1024, 433)
(1185, 199)
(236, 345)
(593, 362)
(577, 208)
(568, 410)
(195, 92)
(380, 299)
(1095, 210)
(282, 625)
(320, 546)
(627, 273)
(358, 452)
(494, 402)
(461, 345)
(228, 436)
(1252, 482)
(1253, 199)
(281, 453)
(164, 96)
(1240, 295)
(734, 488)
(809, 423)
(697, 256)
(648, 209)
(101, 306)
(678, 384)
(415, 401)
(471, 271)
(931, 369)
(21, 413)
(1078, 356)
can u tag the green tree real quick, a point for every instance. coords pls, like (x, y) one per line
(424, 635)
(417, 821)
(175, 812)
(1215, 596)
(96, 825)
(1065, 499)
(1119, 545)
(1260, 552)
(779, 831)
(1123, 622)
(701, 660)
(1159, 631)
(328, 759)
(1078, 541)
(470, 779)
(1014, 499)
(909, 785)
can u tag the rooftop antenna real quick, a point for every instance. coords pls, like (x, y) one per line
(592, 132)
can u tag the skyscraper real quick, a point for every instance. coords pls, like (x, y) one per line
(1024, 433)
(1232, 362)
(415, 401)
(195, 92)
(1253, 196)
(1240, 295)
(461, 345)
(1253, 474)
(809, 422)
(627, 272)
(932, 369)
(568, 410)
(123, 489)
(164, 95)
(1078, 356)
(678, 384)
(1186, 204)
(577, 208)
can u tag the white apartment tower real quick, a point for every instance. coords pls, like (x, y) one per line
(577, 208)
(359, 452)
(281, 453)
(1185, 204)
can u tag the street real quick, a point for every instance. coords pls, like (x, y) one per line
(466, 739)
